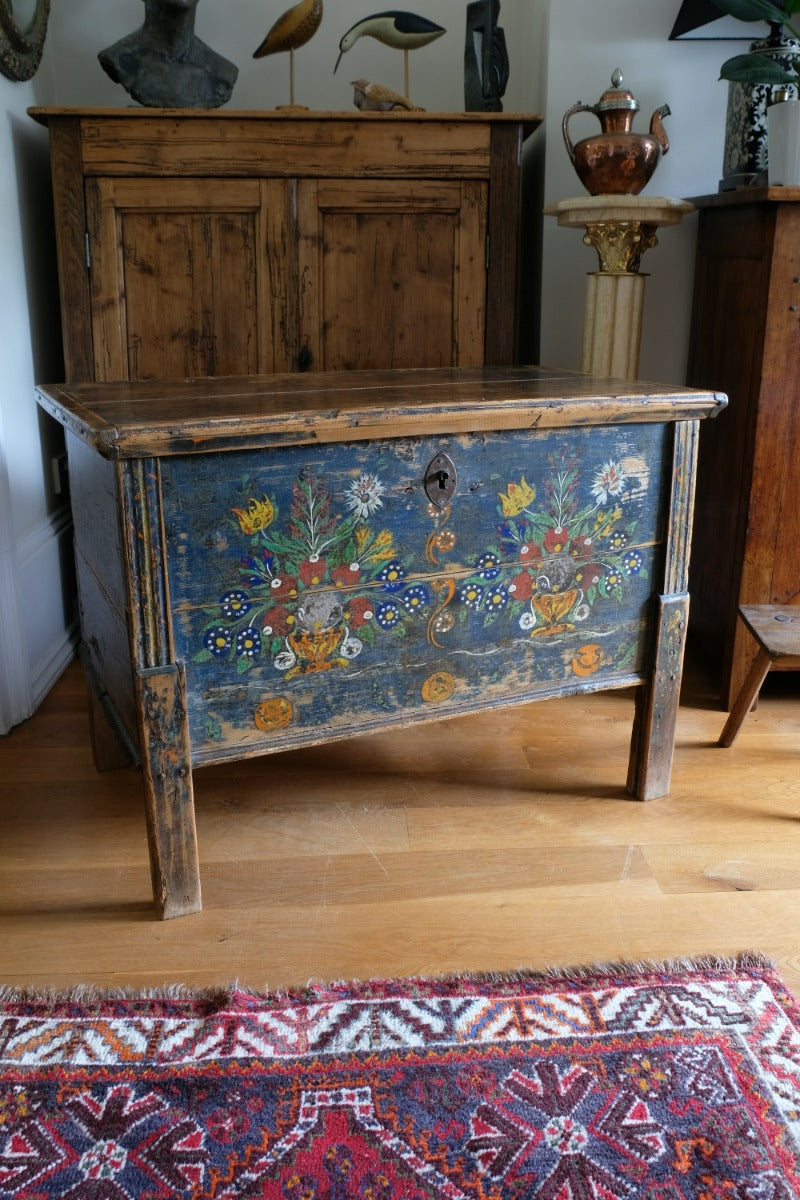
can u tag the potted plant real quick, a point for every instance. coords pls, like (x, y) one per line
(772, 65)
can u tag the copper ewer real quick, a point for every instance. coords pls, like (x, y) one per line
(616, 161)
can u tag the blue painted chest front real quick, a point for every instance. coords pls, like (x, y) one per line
(324, 590)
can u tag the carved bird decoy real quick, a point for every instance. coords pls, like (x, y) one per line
(401, 30)
(291, 31)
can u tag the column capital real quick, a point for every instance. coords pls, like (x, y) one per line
(620, 228)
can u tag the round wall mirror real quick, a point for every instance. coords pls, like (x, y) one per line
(23, 25)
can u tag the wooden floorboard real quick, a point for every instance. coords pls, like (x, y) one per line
(488, 843)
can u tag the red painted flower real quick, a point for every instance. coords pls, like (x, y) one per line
(276, 622)
(359, 610)
(522, 586)
(283, 587)
(588, 575)
(312, 571)
(529, 552)
(346, 575)
(555, 540)
(581, 547)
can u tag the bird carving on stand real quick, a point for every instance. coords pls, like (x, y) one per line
(401, 30)
(291, 31)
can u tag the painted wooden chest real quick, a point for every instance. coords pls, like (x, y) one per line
(269, 562)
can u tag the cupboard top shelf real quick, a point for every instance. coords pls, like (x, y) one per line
(44, 114)
(230, 143)
(154, 418)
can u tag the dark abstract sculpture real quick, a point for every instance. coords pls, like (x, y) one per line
(165, 65)
(485, 58)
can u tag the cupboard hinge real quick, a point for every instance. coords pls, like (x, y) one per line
(87, 250)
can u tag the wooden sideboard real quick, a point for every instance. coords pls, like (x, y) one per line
(745, 341)
(204, 244)
(270, 562)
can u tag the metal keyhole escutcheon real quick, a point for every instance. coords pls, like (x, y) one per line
(440, 480)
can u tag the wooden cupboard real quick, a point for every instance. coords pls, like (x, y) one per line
(197, 244)
(745, 341)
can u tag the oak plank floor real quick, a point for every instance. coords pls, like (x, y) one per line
(486, 843)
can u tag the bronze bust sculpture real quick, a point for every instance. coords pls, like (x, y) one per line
(164, 64)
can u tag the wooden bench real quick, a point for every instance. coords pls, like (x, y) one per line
(776, 630)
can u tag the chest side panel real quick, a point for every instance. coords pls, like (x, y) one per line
(102, 589)
(321, 591)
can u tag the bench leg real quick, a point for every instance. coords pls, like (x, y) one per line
(168, 793)
(743, 702)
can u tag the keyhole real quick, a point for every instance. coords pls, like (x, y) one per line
(440, 480)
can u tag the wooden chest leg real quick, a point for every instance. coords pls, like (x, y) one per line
(169, 797)
(657, 701)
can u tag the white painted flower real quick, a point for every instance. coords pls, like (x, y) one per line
(352, 647)
(609, 481)
(363, 496)
(286, 659)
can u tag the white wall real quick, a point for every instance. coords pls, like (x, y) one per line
(560, 51)
(37, 624)
(235, 28)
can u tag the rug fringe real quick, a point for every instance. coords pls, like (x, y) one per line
(219, 994)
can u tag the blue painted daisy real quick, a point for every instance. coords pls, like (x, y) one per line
(415, 598)
(235, 604)
(392, 576)
(388, 615)
(248, 642)
(217, 639)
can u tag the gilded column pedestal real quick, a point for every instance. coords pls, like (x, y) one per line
(621, 229)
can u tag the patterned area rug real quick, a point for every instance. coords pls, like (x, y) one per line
(679, 1082)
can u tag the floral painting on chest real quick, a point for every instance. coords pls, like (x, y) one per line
(323, 587)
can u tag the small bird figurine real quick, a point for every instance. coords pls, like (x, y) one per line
(374, 97)
(291, 31)
(402, 30)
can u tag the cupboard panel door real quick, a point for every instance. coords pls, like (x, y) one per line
(190, 277)
(397, 270)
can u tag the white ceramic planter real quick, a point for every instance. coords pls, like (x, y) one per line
(783, 143)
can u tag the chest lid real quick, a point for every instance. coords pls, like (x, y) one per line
(150, 418)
